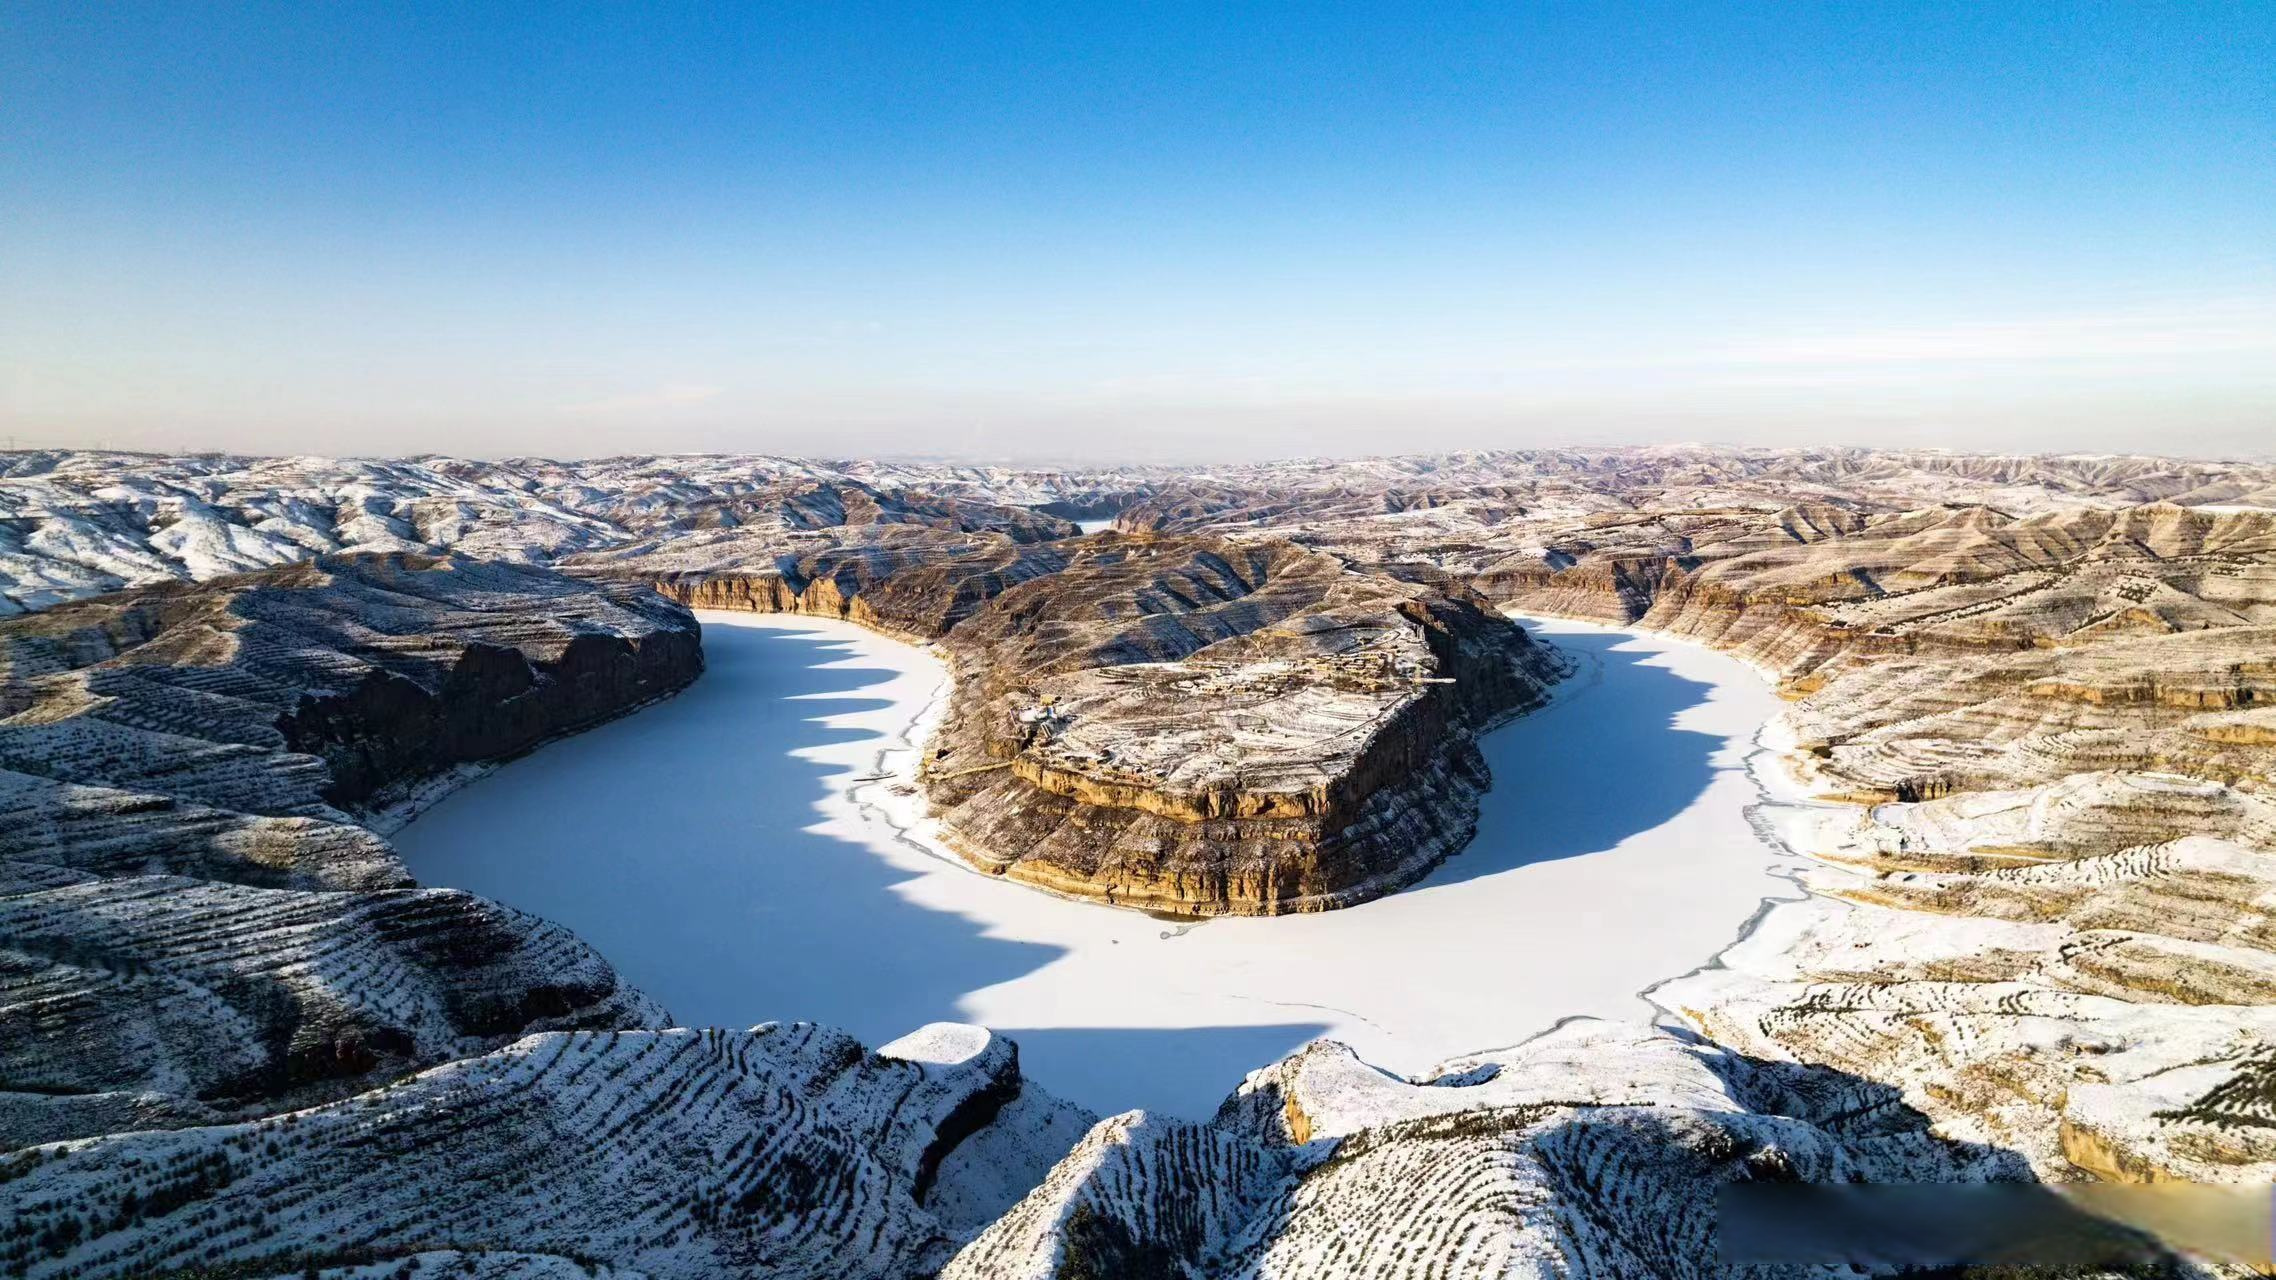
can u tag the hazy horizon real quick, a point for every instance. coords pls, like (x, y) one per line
(1075, 462)
(1182, 233)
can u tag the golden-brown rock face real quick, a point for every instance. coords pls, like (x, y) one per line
(910, 581)
(1179, 724)
(1188, 726)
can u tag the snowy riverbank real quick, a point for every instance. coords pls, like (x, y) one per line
(735, 853)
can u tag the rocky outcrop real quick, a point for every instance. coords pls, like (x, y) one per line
(326, 684)
(1185, 726)
(907, 581)
(1176, 724)
(193, 926)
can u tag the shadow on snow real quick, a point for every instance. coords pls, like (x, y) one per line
(1594, 769)
(682, 844)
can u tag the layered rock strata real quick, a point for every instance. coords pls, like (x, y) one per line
(2084, 972)
(1595, 1150)
(2057, 671)
(193, 924)
(1186, 726)
(2038, 949)
(912, 582)
(1176, 724)
(785, 1151)
(2043, 926)
(788, 1150)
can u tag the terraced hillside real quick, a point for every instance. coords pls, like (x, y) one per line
(235, 1040)
(784, 1150)
(193, 925)
(2045, 929)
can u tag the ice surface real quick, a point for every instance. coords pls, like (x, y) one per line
(730, 852)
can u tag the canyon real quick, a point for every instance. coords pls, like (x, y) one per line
(757, 847)
(1184, 724)
(2024, 728)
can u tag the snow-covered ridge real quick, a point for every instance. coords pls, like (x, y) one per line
(75, 523)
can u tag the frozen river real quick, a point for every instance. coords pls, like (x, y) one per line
(732, 853)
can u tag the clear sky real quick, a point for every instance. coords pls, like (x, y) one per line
(1145, 230)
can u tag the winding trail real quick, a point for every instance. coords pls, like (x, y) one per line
(754, 849)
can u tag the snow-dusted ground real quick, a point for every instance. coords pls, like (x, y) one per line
(736, 854)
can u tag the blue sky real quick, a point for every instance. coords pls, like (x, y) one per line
(1147, 230)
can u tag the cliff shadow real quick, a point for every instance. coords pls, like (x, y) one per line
(687, 845)
(1161, 1069)
(1598, 766)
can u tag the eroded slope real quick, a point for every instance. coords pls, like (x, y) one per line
(192, 923)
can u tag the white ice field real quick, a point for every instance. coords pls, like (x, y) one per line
(749, 851)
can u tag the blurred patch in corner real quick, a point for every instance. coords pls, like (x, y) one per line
(2139, 1228)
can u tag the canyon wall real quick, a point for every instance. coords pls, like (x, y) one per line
(1176, 724)
(193, 923)
(1200, 729)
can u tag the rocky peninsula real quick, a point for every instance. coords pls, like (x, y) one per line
(1180, 724)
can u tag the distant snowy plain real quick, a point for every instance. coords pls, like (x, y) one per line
(753, 850)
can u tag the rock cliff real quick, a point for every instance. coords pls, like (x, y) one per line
(1177, 724)
(192, 923)
(1197, 728)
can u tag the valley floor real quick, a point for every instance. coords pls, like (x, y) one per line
(749, 851)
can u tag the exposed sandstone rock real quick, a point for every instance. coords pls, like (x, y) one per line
(910, 581)
(321, 685)
(1178, 724)
(1189, 727)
